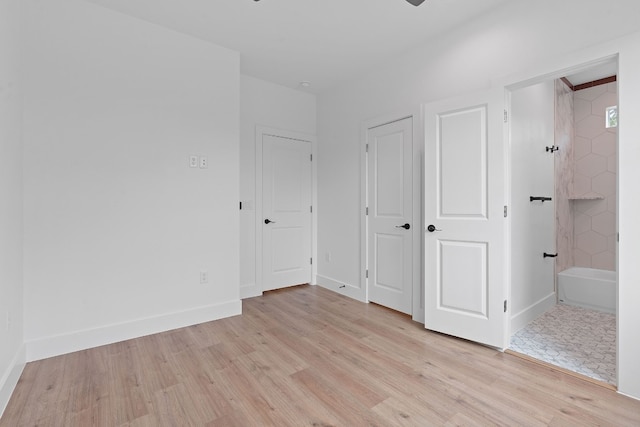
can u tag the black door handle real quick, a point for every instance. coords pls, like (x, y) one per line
(431, 228)
(546, 255)
(268, 221)
(406, 226)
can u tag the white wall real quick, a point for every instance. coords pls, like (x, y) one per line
(270, 105)
(628, 214)
(117, 227)
(532, 127)
(11, 288)
(519, 39)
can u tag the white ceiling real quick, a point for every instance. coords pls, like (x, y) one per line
(324, 42)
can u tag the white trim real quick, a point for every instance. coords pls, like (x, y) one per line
(11, 376)
(418, 207)
(628, 395)
(563, 66)
(362, 285)
(535, 310)
(250, 291)
(418, 216)
(257, 289)
(340, 287)
(507, 259)
(554, 68)
(80, 340)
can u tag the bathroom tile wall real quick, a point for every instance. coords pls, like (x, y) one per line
(563, 164)
(594, 179)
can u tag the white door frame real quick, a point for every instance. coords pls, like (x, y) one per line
(296, 136)
(418, 208)
(512, 84)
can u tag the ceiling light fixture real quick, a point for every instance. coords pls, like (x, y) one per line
(304, 83)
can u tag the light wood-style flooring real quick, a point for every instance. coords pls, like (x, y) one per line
(306, 356)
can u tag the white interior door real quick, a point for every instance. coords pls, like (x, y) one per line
(286, 208)
(390, 218)
(464, 215)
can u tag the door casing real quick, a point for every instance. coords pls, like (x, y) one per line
(551, 71)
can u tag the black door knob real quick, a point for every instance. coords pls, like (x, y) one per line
(268, 221)
(405, 226)
(431, 228)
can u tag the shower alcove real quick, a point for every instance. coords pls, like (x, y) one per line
(563, 195)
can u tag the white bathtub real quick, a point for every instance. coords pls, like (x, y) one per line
(589, 288)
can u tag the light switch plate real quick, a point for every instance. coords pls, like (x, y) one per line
(193, 161)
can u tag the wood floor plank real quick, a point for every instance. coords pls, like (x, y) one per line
(257, 403)
(306, 356)
(285, 355)
(284, 392)
(405, 412)
(340, 402)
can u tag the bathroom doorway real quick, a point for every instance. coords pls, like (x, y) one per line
(564, 159)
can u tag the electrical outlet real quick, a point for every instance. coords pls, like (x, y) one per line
(327, 256)
(8, 321)
(204, 277)
(193, 161)
(204, 162)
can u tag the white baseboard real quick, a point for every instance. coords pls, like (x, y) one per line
(81, 340)
(10, 378)
(341, 288)
(250, 291)
(629, 395)
(535, 310)
(418, 314)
